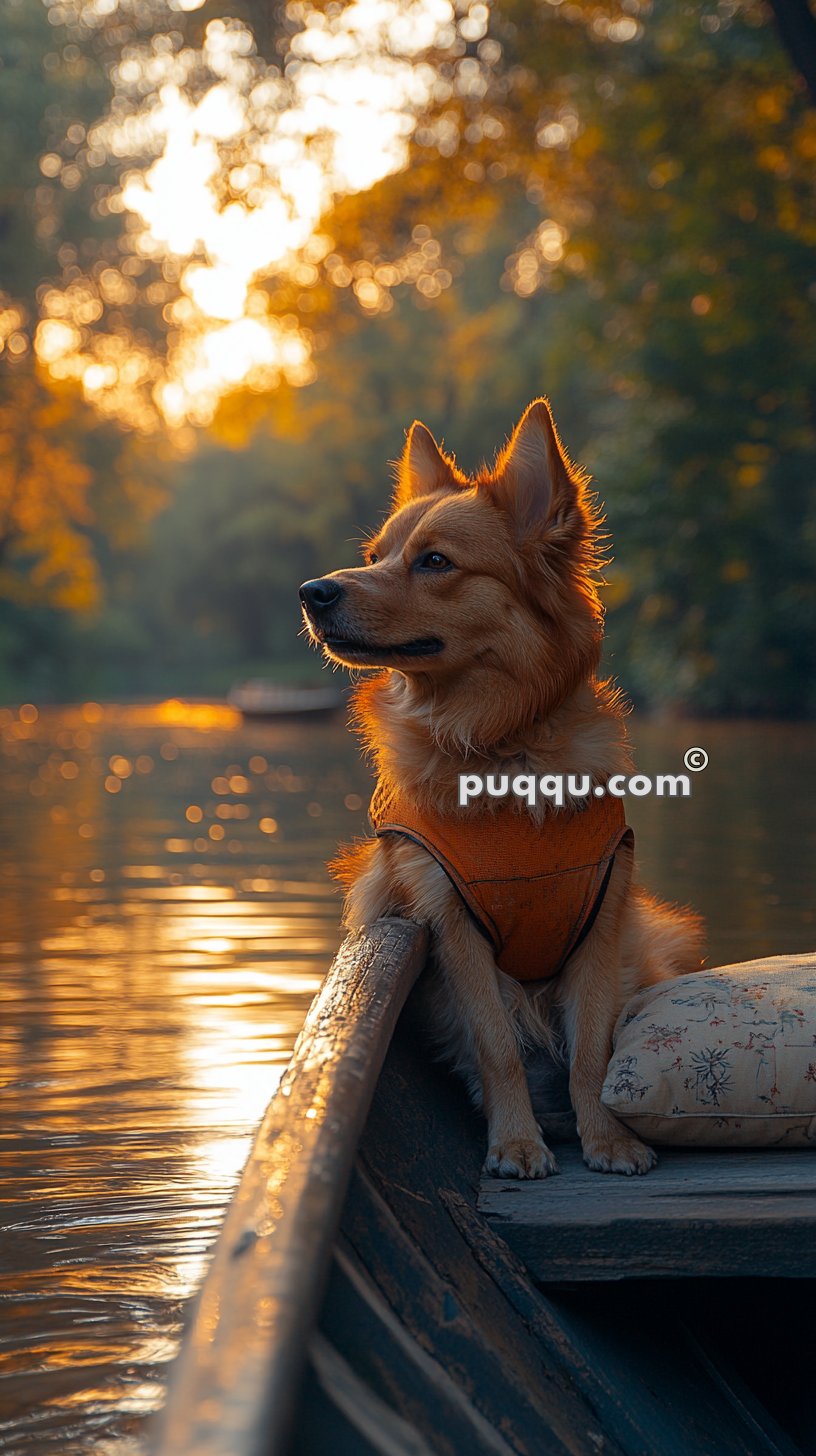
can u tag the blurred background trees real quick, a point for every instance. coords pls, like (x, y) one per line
(242, 247)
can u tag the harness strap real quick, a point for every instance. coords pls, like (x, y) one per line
(534, 891)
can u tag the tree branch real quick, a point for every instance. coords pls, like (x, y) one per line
(796, 25)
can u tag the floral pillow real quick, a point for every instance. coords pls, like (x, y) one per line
(721, 1058)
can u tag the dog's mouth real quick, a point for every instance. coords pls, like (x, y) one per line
(349, 647)
(350, 650)
(355, 649)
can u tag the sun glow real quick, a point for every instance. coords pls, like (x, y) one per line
(243, 161)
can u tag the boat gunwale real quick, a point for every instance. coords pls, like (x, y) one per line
(234, 1386)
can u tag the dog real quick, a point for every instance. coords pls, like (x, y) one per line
(477, 620)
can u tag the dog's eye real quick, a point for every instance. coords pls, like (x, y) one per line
(433, 561)
(372, 558)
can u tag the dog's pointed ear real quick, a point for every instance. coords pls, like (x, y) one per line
(422, 468)
(533, 479)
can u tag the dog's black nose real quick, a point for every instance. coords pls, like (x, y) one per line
(316, 596)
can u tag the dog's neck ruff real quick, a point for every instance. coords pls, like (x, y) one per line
(502, 715)
(533, 889)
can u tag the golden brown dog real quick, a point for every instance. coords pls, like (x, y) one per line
(478, 606)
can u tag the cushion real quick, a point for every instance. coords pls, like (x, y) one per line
(720, 1058)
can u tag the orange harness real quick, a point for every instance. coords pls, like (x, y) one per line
(534, 890)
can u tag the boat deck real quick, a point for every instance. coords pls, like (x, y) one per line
(699, 1212)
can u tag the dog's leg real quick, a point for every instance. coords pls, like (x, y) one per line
(472, 1019)
(590, 994)
(516, 1148)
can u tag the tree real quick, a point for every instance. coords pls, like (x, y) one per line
(611, 204)
(46, 555)
(668, 158)
(797, 31)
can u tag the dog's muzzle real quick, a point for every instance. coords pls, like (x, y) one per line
(319, 596)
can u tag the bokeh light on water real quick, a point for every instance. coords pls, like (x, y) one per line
(165, 917)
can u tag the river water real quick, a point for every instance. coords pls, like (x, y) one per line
(165, 918)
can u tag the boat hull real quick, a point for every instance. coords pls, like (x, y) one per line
(359, 1301)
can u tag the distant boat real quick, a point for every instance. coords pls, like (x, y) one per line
(260, 698)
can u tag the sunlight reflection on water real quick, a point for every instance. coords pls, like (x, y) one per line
(165, 918)
(154, 982)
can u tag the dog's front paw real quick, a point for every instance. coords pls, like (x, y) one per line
(620, 1152)
(520, 1158)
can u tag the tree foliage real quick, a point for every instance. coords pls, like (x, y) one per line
(611, 203)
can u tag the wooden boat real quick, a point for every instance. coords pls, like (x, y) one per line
(370, 1294)
(259, 698)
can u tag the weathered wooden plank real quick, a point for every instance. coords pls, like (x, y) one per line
(234, 1388)
(502, 1369)
(342, 1414)
(602, 1373)
(700, 1212)
(402, 1365)
(651, 1389)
